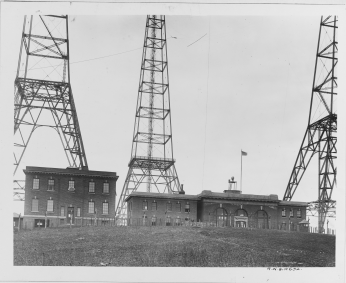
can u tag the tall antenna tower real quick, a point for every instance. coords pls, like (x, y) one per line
(320, 135)
(43, 91)
(151, 167)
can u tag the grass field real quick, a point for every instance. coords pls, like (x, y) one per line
(172, 246)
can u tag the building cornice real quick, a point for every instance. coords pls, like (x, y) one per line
(70, 172)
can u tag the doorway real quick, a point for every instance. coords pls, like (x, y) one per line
(262, 219)
(221, 217)
(70, 215)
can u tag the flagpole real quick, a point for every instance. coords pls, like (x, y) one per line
(241, 170)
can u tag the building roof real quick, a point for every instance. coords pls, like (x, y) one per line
(293, 203)
(238, 196)
(70, 171)
(304, 222)
(162, 196)
(221, 196)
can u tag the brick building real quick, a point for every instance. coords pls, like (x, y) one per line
(232, 208)
(160, 209)
(55, 197)
(229, 208)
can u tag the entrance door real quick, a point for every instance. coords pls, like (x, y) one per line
(262, 219)
(221, 217)
(70, 215)
(241, 224)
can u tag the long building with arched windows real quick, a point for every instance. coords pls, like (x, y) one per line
(228, 208)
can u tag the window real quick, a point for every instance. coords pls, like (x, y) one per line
(291, 212)
(154, 206)
(145, 205)
(78, 211)
(241, 212)
(145, 218)
(91, 186)
(36, 183)
(51, 185)
(178, 206)
(283, 212)
(105, 208)
(153, 220)
(34, 205)
(71, 185)
(91, 207)
(62, 211)
(169, 206)
(106, 188)
(50, 205)
(187, 207)
(299, 213)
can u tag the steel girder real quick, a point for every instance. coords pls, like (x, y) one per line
(313, 209)
(151, 167)
(42, 85)
(320, 136)
(162, 181)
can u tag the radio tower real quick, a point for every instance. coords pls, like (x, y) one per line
(151, 167)
(43, 94)
(320, 135)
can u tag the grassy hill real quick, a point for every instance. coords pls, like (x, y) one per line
(172, 246)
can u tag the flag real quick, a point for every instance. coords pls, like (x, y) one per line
(243, 153)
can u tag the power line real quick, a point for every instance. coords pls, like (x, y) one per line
(86, 60)
(197, 40)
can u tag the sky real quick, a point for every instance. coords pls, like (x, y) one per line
(244, 85)
(236, 83)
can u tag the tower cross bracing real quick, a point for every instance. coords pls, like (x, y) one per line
(152, 166)
(320, 136)
(43, 94)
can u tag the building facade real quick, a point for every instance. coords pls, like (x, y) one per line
(230, 208)
(56, 197)
(160, 209)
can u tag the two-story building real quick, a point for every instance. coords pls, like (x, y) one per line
(145, 208)
(55, 197)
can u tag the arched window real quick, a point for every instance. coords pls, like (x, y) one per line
(241, 212)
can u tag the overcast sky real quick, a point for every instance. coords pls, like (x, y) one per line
(245, 85)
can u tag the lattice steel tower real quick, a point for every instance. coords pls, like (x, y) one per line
(151, 167)
(43, 90)
(320, 135)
